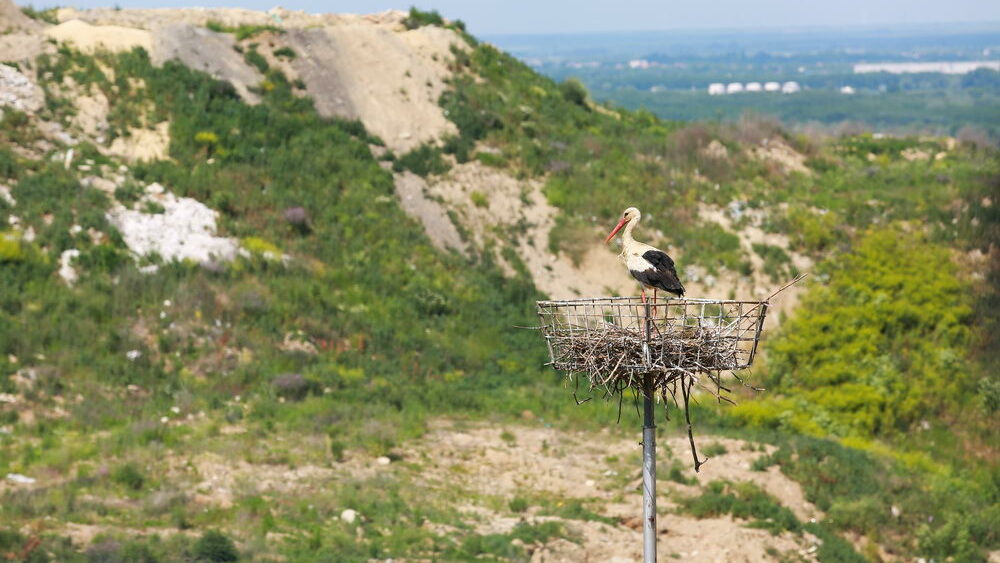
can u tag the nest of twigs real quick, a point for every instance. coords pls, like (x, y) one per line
(657, 350)
(620, 343)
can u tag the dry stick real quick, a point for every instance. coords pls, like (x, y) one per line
(797, 279)
(686, 390)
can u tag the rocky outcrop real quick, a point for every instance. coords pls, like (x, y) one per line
(208, 51)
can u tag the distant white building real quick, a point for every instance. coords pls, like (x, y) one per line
(638, 63)
(847, 90)
(753, 87)
(772, 86)
(734, 87)
(958, 67)
(716, 89)
(790, 87)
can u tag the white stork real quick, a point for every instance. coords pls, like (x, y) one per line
(650, 266)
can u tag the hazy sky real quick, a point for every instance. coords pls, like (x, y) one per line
(542, 16)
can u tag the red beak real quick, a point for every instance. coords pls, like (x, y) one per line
(618, 227)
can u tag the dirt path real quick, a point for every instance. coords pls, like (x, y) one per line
(489, 466)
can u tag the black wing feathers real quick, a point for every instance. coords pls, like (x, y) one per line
(663, 275)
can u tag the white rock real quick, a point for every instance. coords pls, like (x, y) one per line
(20, 479)
(6, 196)
(66, 270)
(349, 515)
(383, 460)
(184, 231)
(18, 92)
(133, 355)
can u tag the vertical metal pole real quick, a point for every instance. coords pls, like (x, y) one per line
(648, 459)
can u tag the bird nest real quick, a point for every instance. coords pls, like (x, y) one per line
(618, 342)
(621, 343)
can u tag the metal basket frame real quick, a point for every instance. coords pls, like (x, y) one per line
(671, 335)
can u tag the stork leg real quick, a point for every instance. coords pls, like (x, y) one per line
(654, 302)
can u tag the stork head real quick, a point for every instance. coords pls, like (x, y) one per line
(629, 215)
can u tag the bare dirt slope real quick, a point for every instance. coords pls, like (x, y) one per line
(12, 19)
(20, 40)
(489, 466)
(491, 205)
(205, 50)
(388, 78)
(356, 67)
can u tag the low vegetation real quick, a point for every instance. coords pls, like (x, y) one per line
(344, 347)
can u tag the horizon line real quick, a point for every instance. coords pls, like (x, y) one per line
(994, 24)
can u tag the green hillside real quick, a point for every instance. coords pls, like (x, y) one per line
(881, 389)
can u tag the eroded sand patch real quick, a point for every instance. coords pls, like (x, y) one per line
(490, 204)
(91, 38)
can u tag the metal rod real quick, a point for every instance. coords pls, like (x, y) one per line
(648, 460)
(648, 475)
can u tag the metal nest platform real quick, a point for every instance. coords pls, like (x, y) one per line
(654, 350)
(621, 342)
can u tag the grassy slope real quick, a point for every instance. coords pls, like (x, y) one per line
(880, 347)
(436, 339)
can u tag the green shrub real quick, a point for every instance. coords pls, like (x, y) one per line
(11, 247)
(881, 345)
(777, 263)
(129, 476)
(418, 18)
(742, 500)
(255, 59)
(715, 449)
(47, 15)
(422, 161)
(479, 199)
(243, 31)
(518, 504)
(215, 546)
(285, 52)
(574, 92)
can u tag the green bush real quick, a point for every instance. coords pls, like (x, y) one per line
(215, 546)
(422, 161)
(47, 15)
(574, 92)
(881, 345)
(742, 500)
(252, 57)
(518, 504)
(418, 18)
(129, 476)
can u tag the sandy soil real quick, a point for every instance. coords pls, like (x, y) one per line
(516, 212)
(143, 144)
(205, 50)
(12, 18)
(388, 79)
(357, 67)
(89, 38)
(778, 152)
(759, 285)
(410, 190)
(476, 463)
